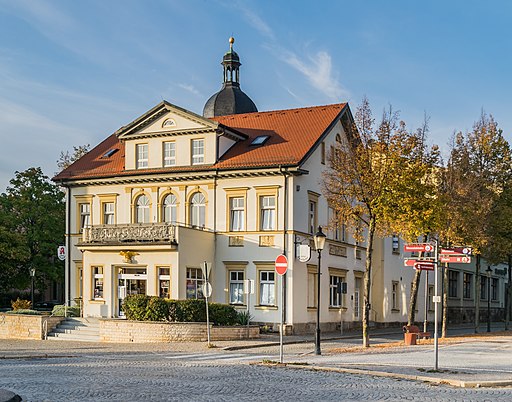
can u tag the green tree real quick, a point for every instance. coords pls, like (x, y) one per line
(32, 216)
(477, 173)
(379, 182)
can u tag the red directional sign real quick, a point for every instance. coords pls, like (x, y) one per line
(418, 247)
(456, 251)
(424, 266)
(409, 262)
(281, 264)
(455, 259)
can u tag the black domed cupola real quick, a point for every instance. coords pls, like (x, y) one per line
(230, 99)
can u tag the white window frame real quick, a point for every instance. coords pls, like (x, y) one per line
(335, 298)
(236, 214)
(109, 213)
(170, 209)
(267, 212)
(142, 156)
(197, 147)
(142, 211)
(267, 288)
(236, 287)
(97, 283)
(395, 290)
(198, 210)
(169, 153)
(194, 283)
(85, 215)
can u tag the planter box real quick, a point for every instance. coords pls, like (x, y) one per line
(18, 326)
(119, 330)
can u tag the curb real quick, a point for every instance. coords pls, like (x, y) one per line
(434, 380)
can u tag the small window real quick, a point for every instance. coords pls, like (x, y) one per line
(85, 216)
(236, 287)
(260, 140)
(108, 154)
(195, 281)
(142, 156)
(169, 154)
(267, 288)
(197, 152)
(108, 213)
(97, 282)
(169, 123)
(164, 282)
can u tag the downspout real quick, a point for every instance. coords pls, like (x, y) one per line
(285, 237)
(67, 272)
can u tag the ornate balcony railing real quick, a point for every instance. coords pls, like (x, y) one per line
(131, 233)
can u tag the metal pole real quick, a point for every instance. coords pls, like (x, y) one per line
(282, 321)
(425, 323)
(206, 297)
(317, 337)
(489, 299)
(436, 309)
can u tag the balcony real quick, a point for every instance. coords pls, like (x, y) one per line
(130, 233)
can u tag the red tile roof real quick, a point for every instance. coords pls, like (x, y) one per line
(293, 133)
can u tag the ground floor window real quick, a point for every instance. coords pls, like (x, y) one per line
(267, 288)
(195, 282)
(453, 279)
(312, 286)
(494, 288)
(97, 282)
(394, 296)
(335, 298)
(236, 287)
(468, 279)
(164, 282)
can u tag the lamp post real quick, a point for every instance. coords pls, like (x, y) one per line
(489, 272)
(319, 245)
(32, 275)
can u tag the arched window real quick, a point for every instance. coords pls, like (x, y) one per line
(197, 210)
(169, 209)
(142, 209)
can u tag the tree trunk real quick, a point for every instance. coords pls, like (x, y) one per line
(367, 284)
(414, 298)
(477, 293)
(445, 300)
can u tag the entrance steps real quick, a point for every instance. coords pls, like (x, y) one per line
(76, 329)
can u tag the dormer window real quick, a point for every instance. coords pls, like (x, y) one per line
(197, 152)
(109, 153)
(142, 156)
(260, 140)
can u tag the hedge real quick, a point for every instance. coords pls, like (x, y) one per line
(154, 308)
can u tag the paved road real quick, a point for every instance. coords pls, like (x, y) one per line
(204, 376)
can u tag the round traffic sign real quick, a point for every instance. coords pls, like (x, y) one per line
(428, 248)
(207, 289)
(281, 264)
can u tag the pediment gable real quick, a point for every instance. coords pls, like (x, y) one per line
(166, 119)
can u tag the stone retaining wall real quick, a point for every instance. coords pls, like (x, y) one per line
(116, 330)
(18, 326)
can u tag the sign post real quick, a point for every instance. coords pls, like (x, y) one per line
(436, 309)
(281, 268)
(207, 292)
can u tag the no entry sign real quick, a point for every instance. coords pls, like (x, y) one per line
(281, 264)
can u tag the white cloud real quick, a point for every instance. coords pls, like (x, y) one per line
(318, 70)
(190, 88)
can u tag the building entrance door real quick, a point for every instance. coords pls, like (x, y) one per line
(131, 281)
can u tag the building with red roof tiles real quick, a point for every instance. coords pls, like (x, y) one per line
(172, 189)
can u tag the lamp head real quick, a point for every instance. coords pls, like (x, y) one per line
(319, 239)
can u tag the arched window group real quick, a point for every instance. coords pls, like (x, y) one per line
(169, 209)
(142, 209)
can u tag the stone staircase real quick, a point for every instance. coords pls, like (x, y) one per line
(76, 329)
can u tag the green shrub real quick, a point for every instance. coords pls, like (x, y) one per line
(72, 311)
(190, 310)
(223, 314)
(157, 309)
(21, 304)
(135, 307)
(244, 317)
(24, 312)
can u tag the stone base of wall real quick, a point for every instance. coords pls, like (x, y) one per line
(18, 326)
(125, 331)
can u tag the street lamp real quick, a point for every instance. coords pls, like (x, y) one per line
(32, 275)
(489, 272)
(319, 245)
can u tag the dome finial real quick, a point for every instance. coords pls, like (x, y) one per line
(231, 41)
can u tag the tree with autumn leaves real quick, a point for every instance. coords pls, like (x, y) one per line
(385, 179)
(380, 180)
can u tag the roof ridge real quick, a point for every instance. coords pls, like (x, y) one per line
(342, 104)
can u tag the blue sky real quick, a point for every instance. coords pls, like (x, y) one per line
(73, 72)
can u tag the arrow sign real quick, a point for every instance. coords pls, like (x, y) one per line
(455, 259)
(409, 262)
(281, 264)
(456, 251)
(424, 266)
(418, 247)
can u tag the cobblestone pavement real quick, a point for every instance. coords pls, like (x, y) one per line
(180, 376)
